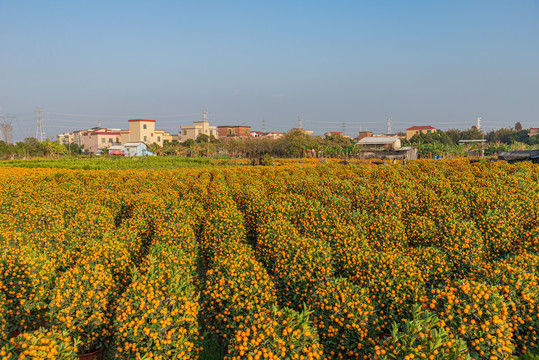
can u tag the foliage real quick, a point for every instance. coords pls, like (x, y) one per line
(41, 345)
(276, 334)
(423, 336)
(81, 304)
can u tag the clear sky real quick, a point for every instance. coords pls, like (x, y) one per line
(430, 62)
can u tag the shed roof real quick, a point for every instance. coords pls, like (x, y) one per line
(378, 140)
(130, 144)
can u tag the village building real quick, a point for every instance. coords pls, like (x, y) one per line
(137, 149)
(143, 130)
(385, 147)
(415, 130)
(198, 128)
(95, 141)
(236, 132)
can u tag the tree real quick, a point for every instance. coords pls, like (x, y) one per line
(73, 149)
(188, 143)
(472, 133)
(202, 138)
(518, 126)
(521, 136)
(503, 135)
(455, 135)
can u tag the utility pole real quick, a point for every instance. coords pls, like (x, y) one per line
(388, 125)
(40, 131)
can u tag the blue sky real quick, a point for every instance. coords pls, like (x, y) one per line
(441, 63)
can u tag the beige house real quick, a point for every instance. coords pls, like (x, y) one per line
(198, 127)
(414, 130)
(143, 130)
(65, 138)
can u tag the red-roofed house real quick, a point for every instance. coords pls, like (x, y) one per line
(96, 139)
(414, 130)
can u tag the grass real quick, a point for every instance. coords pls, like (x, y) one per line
(110, 163)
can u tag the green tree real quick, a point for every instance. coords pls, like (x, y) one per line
(521, 136)
(202, 138)
(503, 135)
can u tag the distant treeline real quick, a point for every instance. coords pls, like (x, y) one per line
(297, 144)
(447, 142)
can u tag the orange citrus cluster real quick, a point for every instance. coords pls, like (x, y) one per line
(434, 259)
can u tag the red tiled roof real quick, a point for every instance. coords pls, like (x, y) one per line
(142, 120)
(428, 127)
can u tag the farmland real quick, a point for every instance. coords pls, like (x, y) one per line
(433, 260)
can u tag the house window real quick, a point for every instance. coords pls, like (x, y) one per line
(428, 131)
(144, 126)
(229, 131)
(144, 138)
(185, 132)
(102, 140)
(246, 132)
(159, 139)
(417, 131)
(211, 132)
(151, 135)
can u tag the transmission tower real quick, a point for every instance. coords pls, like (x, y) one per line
(264, 125)
(40, 131)
(300, 121)
(388, 125)
(6, 128)
(343, 128)
(478, 123)
(205, 115)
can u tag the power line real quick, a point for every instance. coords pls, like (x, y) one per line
(119, 116)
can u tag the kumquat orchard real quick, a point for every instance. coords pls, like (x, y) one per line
(291, 260)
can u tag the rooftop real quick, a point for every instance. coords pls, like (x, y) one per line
(428, 127)
(378, 140)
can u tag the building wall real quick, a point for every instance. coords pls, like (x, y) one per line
(143, 130)
(411, 133)
(239, 132)
(140, 149)
(65, 138)
(90, 143)
(272, 135)
(364, 134)
(198, 127)
(97, 140)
